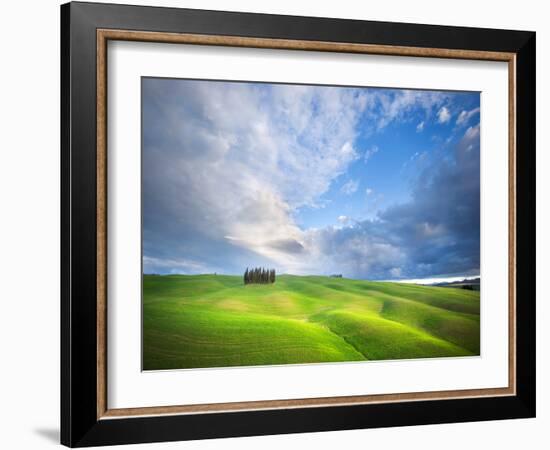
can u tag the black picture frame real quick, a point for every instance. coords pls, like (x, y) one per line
(80, 425)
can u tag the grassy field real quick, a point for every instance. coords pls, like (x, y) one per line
(217, 321)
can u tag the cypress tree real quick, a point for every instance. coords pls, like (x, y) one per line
(259, 275)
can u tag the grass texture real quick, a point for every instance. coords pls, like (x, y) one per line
(194, 321)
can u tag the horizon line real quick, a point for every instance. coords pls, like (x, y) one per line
(426, 280)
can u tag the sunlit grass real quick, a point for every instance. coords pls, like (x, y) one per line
(217, 321)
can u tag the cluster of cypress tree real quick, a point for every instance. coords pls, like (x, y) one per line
(259, 275)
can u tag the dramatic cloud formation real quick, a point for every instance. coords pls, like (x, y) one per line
(213, 173)
(228, 168)
(436, 233)
(438, 230)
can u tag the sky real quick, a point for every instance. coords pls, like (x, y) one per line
(370, 183)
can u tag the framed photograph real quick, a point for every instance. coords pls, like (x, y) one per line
(276, 224)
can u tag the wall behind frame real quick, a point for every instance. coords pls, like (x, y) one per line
(29, 238)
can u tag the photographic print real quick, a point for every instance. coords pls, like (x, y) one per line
(300, 224)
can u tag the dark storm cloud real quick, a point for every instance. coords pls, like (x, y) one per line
(440, 228)
(286, 245)
(436, 233)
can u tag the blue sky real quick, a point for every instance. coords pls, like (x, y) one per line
(368, 182)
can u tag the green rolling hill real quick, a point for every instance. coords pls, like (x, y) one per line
(192, 321)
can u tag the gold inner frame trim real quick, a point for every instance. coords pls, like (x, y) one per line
(104, 35)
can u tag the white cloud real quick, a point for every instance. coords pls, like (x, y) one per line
(396, 105)
(472, 132)
(443, 115)
(465, 116)
(348, 151)
(369, 191)
(420, 127)
(343, 219)
(217, 173)
(370, 153)
(350, 187)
